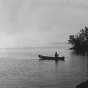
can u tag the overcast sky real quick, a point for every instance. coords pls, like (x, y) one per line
(40, 22)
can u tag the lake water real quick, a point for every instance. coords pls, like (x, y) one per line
(21, 68)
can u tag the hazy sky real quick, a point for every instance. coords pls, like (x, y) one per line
(40, 22)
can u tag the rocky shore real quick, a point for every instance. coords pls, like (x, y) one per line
(83, 85)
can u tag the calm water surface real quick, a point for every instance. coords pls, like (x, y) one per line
(20, 68)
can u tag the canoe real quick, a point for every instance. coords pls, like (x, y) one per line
(50, 58)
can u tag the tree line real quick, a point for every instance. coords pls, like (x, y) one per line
(79, 41)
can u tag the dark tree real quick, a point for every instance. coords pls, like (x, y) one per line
(79, 41)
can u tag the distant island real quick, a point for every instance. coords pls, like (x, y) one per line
(79, 41)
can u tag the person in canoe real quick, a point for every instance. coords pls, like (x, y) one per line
(56, 54)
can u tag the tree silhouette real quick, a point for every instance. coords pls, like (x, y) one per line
(79, 41)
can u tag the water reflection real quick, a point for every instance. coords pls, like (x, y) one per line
(86, 65)
(43, 74)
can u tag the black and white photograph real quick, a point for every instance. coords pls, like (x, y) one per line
(43, 43)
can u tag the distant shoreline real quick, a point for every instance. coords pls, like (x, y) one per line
(50, 45)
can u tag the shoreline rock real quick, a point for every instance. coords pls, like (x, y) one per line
(83, 85)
